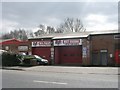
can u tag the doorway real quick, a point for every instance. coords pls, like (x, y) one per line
(104, 57)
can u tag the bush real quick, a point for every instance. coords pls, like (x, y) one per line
(9, 59)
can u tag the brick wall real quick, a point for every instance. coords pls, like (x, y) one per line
(103, 42)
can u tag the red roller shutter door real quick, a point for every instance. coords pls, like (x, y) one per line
(42, 51)
(71, 55)
(117, 56)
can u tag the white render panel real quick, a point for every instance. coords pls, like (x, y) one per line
(67, 42)
(41, 43)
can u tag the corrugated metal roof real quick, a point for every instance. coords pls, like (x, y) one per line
(71, 36)
(40, 37)
(12, 41)
(63, 35)
(104, 32)
(3, 40)
(74, 34)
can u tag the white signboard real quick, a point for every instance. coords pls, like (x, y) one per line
(116, 36)
(52, 49)
(103, 50)
(67, 42)
(111, 55)
(7, 48)
(41, 43)
(84, 51)
(23, 48)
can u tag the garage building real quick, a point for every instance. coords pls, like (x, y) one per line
(41, 46)
(83, 48)
(68, 49)
(64, 48)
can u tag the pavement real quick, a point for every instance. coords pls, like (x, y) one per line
(69, 69)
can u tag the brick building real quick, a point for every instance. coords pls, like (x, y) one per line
(42, 46)
(68, 49)
(87, 48)
(62, 48)
(103, 47)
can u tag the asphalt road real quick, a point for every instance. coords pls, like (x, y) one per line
(26, 79)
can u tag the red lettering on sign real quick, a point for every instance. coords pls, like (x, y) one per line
(66, 41)
(41, 43)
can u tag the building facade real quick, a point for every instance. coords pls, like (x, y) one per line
(16, 46)
(103, 48)
(87, 48)
(42, 47)
(72, 48)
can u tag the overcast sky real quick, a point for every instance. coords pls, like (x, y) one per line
(94, 15)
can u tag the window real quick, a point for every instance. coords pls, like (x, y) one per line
(6, 47)
(65, 54)
(23, 48)
(116, 36)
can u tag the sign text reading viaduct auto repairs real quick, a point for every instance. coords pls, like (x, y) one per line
(41, 43)
(67, 42)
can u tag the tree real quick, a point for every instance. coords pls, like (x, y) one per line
(71, 25)
(6, 36)
(40, 31)
(18, 34)
(59, 30)
(50, 29)
(29, 33)
(44, 30)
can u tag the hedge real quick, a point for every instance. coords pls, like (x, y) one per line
(9, 59)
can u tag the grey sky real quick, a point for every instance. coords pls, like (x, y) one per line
(94, 15)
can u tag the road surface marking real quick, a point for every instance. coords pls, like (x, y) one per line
(50, 82)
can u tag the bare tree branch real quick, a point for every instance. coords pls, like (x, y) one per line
(71, 25)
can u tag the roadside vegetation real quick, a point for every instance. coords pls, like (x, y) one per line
(9, 59)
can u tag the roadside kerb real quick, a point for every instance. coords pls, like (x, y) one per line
(13, 68)
(81, 70)
(65, 69)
